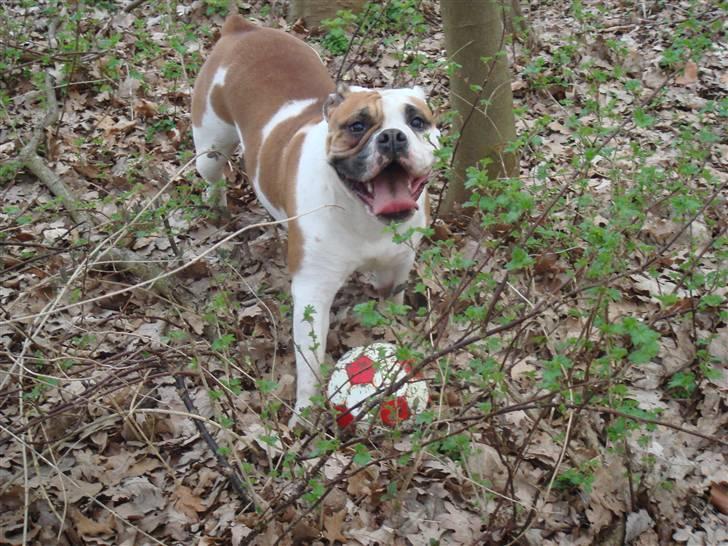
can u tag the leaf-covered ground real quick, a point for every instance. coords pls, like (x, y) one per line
(579, 393)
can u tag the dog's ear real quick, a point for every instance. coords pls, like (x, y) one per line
(334, 99)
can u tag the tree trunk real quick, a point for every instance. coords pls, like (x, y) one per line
(314, 11)
(474, 29)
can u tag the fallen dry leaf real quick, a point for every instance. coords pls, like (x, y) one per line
(142, 495)
(87, 527)
(719, 496)
(637, 524)
(333, 525)
(689, 75)
(304, 531)
(188, 503)
(608, 494)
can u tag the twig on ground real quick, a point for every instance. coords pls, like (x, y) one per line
(157, 278)
(133, 5)
(227, 469)
(354, 36)
(30, 158)
(126, 259)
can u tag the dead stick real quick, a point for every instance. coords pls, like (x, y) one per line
(227, 469)
(124, 258)
(135, 4)
(30, 158)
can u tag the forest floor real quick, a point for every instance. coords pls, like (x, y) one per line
(595, 413)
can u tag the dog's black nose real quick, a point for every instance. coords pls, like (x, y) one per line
(392, 142)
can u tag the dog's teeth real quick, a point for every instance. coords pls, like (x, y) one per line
(370, 188)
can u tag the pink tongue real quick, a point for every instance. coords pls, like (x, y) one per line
(391, 195)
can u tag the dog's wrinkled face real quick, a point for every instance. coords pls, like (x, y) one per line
(381, 144)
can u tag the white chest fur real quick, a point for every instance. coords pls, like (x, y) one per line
(343, 232)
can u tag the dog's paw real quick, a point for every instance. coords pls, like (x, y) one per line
(296, 419)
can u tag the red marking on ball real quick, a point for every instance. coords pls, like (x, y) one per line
(344, 417)
(361, 371)
(394, 411)
(407, 365)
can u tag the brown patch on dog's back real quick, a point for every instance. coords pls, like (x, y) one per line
(279, 156)
(247, 51)
(236, 23)
(254, 93)
(295, 235)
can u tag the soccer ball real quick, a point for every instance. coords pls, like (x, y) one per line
(363, 371)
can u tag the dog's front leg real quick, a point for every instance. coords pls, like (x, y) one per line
(313, 293)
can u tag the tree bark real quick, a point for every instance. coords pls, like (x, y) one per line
(473, 31)
(314, 11)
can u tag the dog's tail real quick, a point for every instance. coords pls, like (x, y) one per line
(235, 22)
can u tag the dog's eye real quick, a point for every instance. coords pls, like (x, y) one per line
(417, 123)
(357, 127)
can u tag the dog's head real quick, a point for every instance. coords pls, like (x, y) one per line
(381, 144)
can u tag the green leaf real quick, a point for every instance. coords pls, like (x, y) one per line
(711, 300)
(519, 260)
(668, 300)
(642, 119)
(223, 342)
(225, 421)
(266, 386)
(233, 385)
(362, 456)
(308, 313)
(397, 309)
(317, 490)
(368, 314)
(683, 381)
(553, 371)
(321, 447)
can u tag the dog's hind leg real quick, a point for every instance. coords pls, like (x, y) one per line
(215, 142)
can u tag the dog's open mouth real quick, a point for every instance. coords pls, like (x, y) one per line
(392, 194)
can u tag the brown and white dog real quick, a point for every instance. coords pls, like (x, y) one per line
(308, 144)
